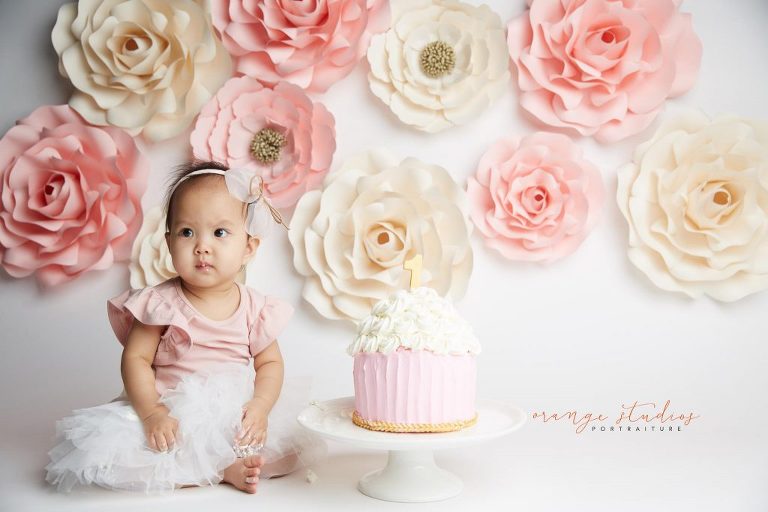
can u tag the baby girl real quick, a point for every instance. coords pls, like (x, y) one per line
(192, 412)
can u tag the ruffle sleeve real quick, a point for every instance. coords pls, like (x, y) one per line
(150, 307)
(270, 315)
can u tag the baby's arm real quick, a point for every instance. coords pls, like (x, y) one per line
(266, 388)
(139, 381)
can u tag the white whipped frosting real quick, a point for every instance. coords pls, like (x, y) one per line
(418, 320)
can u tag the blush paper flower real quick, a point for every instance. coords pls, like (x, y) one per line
(279, 133)
(350, 240)
(696, 201)
(440, 64)
(147, 66)
(602, 67)
(311, 44)
(69, 196)
(535, 198)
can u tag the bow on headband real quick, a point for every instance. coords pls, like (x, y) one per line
(248, 187)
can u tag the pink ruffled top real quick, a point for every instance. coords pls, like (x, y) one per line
(191, 341)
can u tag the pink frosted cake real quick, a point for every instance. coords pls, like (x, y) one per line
(414, 368)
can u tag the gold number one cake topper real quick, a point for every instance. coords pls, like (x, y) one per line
(414, 265)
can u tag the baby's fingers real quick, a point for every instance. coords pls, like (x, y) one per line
(170, 438)
(245, 432)
(259, 438)
(151, 441)
(162, 444)
(162, 440)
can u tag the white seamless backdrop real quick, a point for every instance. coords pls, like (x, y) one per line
(588, 333)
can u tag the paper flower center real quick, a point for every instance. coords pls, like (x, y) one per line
(722, 197)
(267, 145)
(437, 59)
(53, 188)
(385, 243)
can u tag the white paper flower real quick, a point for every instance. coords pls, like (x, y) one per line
(351, 239)
(440, 64)
(150, 259)
(146, 66)
(696, 199)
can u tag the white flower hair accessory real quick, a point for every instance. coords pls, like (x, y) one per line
(247, 186)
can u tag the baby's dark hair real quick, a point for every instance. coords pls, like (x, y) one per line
(181, 172)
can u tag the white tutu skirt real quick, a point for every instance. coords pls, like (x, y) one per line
(106, 444)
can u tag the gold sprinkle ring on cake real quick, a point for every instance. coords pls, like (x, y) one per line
(386, 426)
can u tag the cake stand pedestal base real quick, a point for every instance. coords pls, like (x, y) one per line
(410, 477)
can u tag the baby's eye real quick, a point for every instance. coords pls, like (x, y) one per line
(186, 232)
(220, 233)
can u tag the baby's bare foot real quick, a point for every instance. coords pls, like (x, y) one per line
(244, 473)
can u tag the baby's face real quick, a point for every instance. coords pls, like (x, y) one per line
(207, 238)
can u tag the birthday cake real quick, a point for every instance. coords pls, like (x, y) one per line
(414, 366)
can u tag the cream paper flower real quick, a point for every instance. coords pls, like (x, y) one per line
(350, 239)
(440, 64)
(150, 259)
(147, 66)
(696, 200)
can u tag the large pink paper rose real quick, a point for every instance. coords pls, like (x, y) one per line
(280, 133)
(311, 44)
(69, 196)
(535, 198)
(602, 67)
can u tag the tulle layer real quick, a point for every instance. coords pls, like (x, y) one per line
(105, 445)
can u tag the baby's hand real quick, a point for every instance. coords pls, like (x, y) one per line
(253, 430)
(160, 429)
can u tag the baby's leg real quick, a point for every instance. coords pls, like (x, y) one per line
(244, 473)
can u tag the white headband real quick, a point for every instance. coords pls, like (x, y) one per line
(248, 187)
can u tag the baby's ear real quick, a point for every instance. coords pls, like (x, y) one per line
(251, 245)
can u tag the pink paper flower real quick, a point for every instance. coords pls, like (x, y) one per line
(602, 67)
(280, 133)
(311, 44)
(69, 196)
(535, 198)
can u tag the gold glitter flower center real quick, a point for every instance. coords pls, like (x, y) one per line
(437, 59)
(267, 145)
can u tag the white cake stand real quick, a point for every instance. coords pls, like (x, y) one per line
(411, 474)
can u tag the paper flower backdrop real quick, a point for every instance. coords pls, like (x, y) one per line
(70, 196)
(376, 211)
(440, 64)
(602, 67)
(280, 133)
(310, 44)
(147, 66)
(535, 198)
(696, 200)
